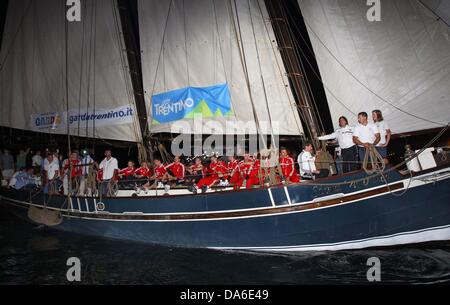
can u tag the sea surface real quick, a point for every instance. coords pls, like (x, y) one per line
(30, 254)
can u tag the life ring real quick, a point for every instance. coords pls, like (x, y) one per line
(100, 206)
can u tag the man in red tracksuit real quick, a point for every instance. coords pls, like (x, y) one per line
(233, 174)
(288, 167)
(160, 172)
(127, 172)
(177, 171)
(214, 173)
(255, 173)
(246, 172)
(143, 173)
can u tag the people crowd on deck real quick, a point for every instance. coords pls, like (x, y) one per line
(271, 166)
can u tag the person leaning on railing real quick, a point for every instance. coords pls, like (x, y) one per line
(344, 137)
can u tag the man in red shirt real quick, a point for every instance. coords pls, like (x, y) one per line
(127, 172)
(290, 174)
(177, 171)
(196, 172)
(255, 172)
(233, 174)
(245, 169)
(160, 176)
(72, 172)
(143, 173)
(214, 173)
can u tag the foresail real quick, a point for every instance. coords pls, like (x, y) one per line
(202, 44)
(32, 80)
(400, 65)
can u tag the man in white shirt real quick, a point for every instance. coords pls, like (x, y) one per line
(86, 163)
(51, 168)
(365, 135)
(306, 162)
(110, 167)
(344, 137)
(385, 134)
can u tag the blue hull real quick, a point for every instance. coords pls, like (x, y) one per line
(248, 220)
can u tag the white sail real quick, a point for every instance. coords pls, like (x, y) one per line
(195, 44)
(32, 80)
(400, 65)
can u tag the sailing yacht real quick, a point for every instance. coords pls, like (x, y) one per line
(208, 63)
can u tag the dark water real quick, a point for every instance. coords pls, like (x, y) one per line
(34, 255)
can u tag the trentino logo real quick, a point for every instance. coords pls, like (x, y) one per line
(168, 107)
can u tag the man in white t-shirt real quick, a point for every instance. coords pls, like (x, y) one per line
(86, 167)
(365, 135)
(110, 168)
(348, 149)
(51, 168)
(385, 133)
(306, 162)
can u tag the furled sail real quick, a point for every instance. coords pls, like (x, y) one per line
(33, 71)
(204, 48)
(400, 65)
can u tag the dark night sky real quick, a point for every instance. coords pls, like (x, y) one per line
(299, 29)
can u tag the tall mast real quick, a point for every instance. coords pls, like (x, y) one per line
(294, 68)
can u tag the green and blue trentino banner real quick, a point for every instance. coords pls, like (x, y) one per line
(190, 102)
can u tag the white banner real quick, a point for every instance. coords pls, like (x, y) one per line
(86, 118)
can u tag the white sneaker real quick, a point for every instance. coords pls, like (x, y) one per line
(224, 183)
(167, 188)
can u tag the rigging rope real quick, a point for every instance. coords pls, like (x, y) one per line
(81, 68)
(261, 72)
(69, 146)
(377, 164)
(434, 13)
(150, 96)
(239, 40)
(227, 78)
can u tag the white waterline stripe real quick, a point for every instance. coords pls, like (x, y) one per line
(423, 235)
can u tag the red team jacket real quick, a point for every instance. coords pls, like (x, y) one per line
(178, 170)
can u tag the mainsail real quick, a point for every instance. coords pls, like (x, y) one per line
(400, 65)
(202, 43)
(33, 71)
